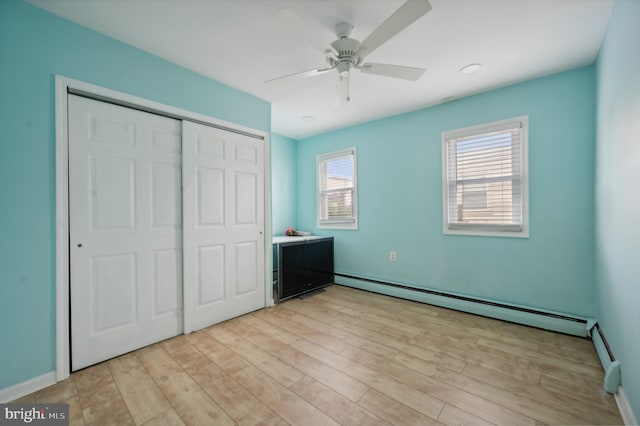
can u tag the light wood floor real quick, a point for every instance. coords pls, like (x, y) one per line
(347, 357)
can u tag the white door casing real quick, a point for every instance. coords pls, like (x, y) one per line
(224, 223)
(125, 216)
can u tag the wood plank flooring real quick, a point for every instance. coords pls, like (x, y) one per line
(347, 357)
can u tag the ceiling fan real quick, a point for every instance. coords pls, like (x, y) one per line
(346, 54)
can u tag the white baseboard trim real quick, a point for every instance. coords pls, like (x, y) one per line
(548, 320)
(28, 386)
(628, 417)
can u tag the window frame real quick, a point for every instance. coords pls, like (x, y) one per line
(347, 224)
(477, 229)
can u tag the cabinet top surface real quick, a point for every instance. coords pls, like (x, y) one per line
(284, 239)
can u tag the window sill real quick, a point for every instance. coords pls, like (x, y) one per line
(485, 233)
(353, 226)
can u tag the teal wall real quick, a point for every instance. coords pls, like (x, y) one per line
(34, 46)
(283, 183)
(400, 199)
(617, 195)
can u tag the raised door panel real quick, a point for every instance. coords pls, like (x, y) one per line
(210, 200)
(111, 129)
(246, 208)
(211, 273)
(246, 259)
(113, 289)
(167, 282)
(112, 194)
(166, 195)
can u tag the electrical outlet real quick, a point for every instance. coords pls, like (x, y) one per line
(393, 256)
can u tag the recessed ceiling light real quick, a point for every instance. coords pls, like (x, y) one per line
(308, 118)
(470, 69)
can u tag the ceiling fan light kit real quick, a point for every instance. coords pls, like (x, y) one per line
(346, 54)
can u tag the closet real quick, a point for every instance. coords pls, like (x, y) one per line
(166, 224)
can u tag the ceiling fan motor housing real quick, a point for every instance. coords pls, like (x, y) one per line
(347, 54)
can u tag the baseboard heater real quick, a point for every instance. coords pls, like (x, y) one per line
(611, 365)
(547, 320)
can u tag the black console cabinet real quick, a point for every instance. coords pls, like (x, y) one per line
(304, 265)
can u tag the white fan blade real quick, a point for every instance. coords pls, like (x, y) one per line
(408, 13)
(342, 91)
(395, 71)
(318, 37)
(301, 75)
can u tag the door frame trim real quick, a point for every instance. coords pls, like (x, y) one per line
(63, 87)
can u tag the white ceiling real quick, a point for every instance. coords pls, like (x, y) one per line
(242, 43)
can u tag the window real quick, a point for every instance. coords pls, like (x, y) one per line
(337, 201)
(485, 189)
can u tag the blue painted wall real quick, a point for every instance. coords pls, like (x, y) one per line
(34, 46)
(617, 196)
(283, 183)
(400, 199)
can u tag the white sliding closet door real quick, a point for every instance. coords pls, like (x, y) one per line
(125, 215)
(223, 193)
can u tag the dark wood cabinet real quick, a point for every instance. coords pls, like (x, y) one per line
(303, 265)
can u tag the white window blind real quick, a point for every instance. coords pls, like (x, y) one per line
(337, 189)
(485, 178)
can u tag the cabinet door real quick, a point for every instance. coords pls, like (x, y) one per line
(292, 270)
(318, 257)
